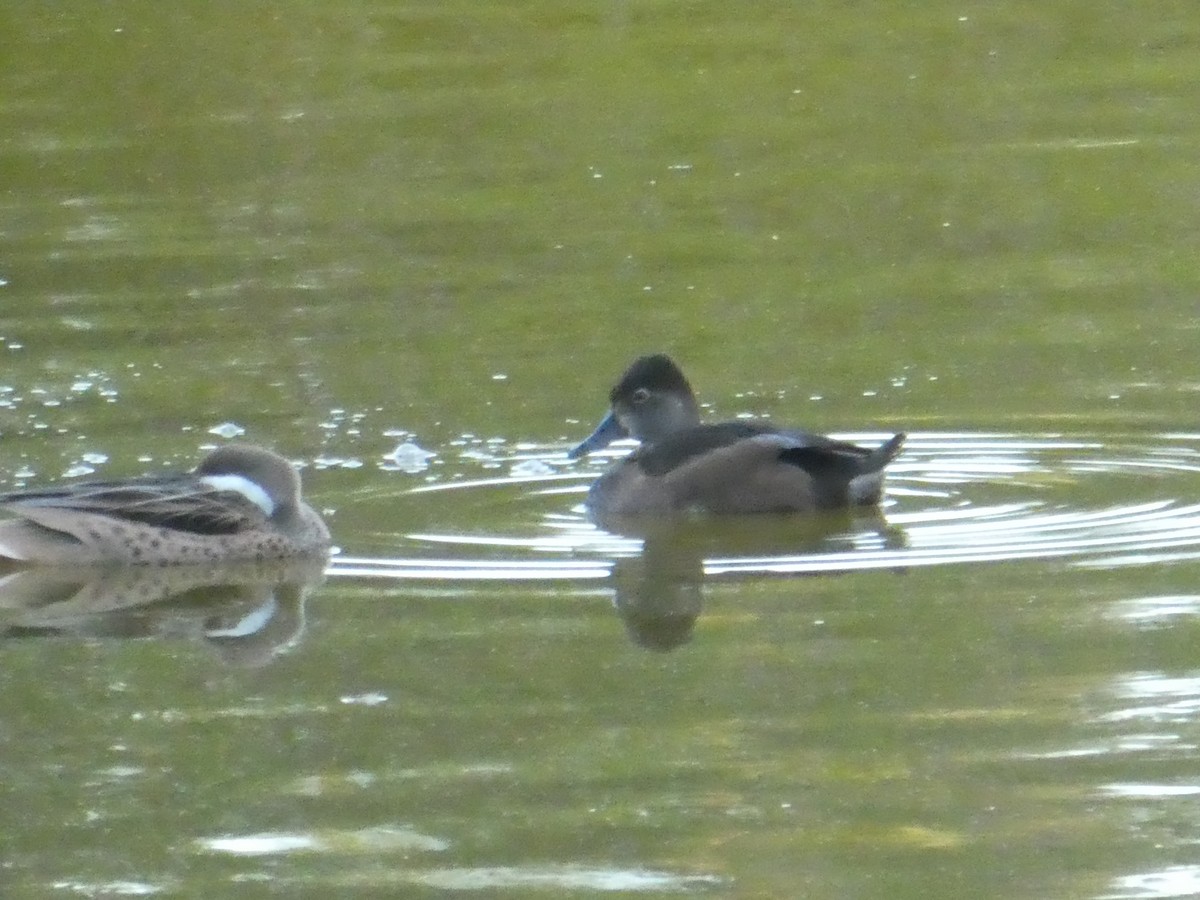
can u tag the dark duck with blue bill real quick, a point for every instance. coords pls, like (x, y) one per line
(724, 468)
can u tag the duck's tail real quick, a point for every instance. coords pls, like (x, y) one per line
(866, 488)
(884, 453)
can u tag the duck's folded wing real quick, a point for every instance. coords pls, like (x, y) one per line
(181, 504)
(815, 453)
(675, 450)
(825, 457)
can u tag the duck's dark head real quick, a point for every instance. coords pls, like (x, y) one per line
(652, 400)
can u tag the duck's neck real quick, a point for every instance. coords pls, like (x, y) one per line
(677, 413)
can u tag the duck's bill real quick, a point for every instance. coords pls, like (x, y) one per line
(606, 432)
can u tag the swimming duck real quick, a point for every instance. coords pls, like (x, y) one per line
(724, 467)
(241, 503)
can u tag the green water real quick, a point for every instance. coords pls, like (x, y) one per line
(343, 226)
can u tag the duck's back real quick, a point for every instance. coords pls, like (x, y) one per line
(735, 468)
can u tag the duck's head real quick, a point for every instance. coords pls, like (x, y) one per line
(263, 477)
(651, 401)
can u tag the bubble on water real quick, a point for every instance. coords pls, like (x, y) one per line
(530, 467)
(408, 457)
(227, 430)
(372, 698)
(337, 462)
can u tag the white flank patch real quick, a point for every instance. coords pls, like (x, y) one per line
(244, 486)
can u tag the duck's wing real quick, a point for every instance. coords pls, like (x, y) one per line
(823, 456)
(681, 447)
(181, 503)
(820, 456)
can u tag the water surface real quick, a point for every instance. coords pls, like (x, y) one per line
(411, 246)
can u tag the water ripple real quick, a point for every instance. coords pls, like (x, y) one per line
(952, 498)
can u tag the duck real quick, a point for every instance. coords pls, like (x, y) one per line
(241, 503)
(683, 465)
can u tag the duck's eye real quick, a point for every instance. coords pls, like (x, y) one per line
(641, 395)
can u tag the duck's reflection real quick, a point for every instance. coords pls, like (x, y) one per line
(247, 614)
(659, 593)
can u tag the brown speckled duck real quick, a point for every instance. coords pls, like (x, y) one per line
(241, 503)
(730, 468)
